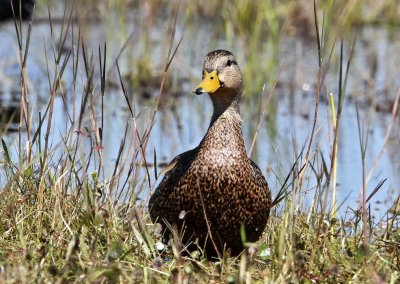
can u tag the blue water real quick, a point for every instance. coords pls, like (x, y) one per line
(182, 120)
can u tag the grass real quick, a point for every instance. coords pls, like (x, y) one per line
(63, 219)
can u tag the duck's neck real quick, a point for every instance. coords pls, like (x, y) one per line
(225, 130)
(226, 107)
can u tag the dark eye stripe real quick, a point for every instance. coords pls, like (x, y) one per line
(230, 62)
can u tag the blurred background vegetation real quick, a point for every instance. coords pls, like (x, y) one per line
(255, 28)
(56, 212)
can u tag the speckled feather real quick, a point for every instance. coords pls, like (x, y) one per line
(218, 171)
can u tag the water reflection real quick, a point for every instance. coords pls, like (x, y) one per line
(9, 117)
(182, 120)
(11, 8)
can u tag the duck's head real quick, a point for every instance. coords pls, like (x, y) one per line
(222, 78)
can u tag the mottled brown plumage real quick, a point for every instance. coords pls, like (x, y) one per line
(218, 172)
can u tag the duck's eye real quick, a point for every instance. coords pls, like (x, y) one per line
(211, 77)
(229, 62)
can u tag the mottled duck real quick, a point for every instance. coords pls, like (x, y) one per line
(216, 181)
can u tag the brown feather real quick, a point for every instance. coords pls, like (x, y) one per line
(219, 173)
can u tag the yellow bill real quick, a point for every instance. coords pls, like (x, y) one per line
(209, 84)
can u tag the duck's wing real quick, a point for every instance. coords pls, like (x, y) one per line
(258, 174)
(178, 163)
(160, 200)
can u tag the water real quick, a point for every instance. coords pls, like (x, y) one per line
(183, 119)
